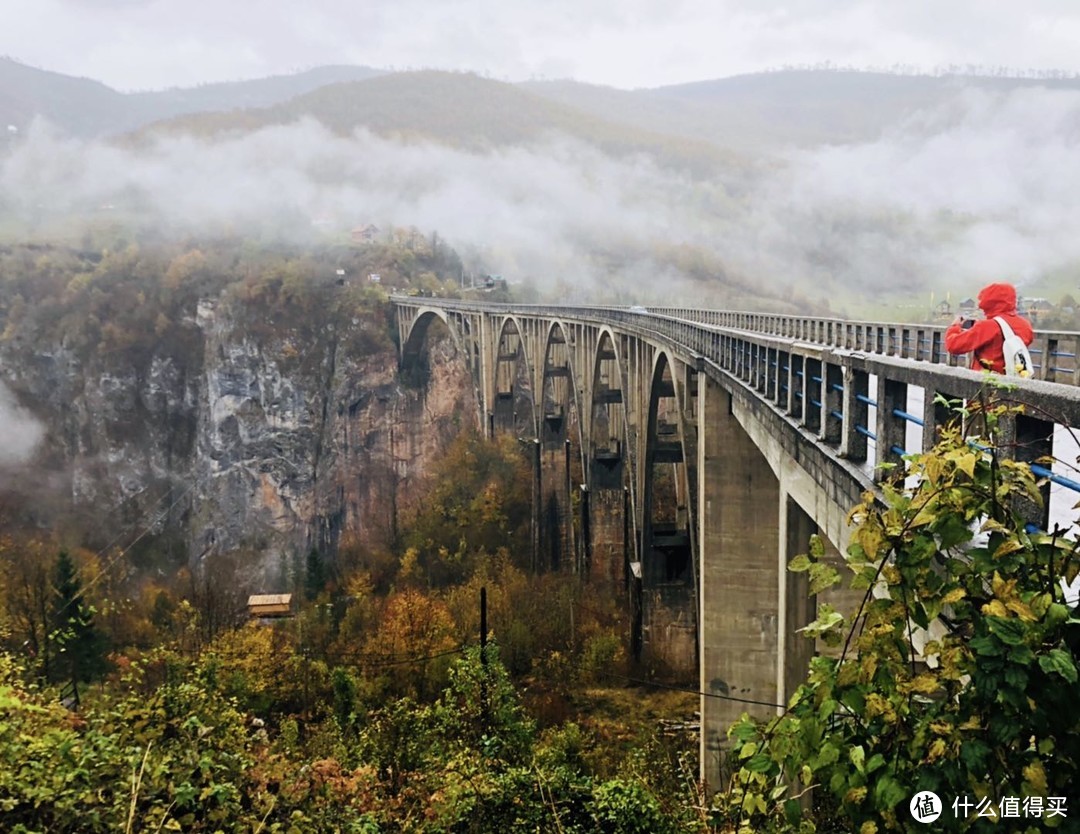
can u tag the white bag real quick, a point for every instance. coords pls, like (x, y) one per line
(1017, 358)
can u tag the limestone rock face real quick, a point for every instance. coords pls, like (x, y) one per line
(242, 439)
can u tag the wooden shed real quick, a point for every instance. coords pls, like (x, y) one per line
(267, 606)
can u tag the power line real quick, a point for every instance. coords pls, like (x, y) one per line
(146, 530)
(360, 659)
(688, 690)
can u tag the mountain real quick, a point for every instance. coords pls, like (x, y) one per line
(78, 105)
(259, 92)
(462, 110)
(86, 108)
(775, 109)
(754, 112)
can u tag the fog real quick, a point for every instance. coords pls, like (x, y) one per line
(20, 432)
(984, 186)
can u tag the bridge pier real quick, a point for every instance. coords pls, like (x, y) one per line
(739, 532)
(609, 545)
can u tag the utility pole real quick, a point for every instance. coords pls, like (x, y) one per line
(626, 538)
(586, 534)
(538, 505)
(483, 659)
(568, 520)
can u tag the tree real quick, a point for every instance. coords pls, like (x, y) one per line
(314, 575)
(477, 504)
(79, 646)
(27, 598)
(958, 673)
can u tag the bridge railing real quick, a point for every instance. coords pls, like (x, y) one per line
(1054, 352)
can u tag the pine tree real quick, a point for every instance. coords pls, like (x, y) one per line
(79, 647)
(314, 575)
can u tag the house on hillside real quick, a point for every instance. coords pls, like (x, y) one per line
(365, 234)
(269, 606)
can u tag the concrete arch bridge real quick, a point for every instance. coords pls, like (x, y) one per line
(688, 455)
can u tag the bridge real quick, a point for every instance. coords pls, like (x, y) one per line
(687, 455)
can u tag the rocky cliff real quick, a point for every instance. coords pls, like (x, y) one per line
(246, 433)
(290, 454)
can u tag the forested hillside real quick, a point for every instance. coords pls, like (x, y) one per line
(372, 709)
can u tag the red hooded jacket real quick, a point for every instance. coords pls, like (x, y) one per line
(984, 339)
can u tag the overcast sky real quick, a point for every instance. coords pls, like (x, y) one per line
(149, 44)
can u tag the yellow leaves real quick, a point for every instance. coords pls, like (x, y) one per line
(992, 525)
(848, 674)
(1003, 590)
(868, 828)
(410, 571)
(855, 796)
(870, 538)
(924, 684)
(1008, 546)
(1007, 600)
(936, 751)
(1021, 610)
(964, 460)
(954, 596)
(1035, 776)
(933, 467)
(877, 705)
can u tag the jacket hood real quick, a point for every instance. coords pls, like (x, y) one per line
(998, 300)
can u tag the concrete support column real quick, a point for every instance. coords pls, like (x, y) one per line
(935, 415)
(832, 398)
(738, 534)
(487, 375)
(796, 608)
(609, 541)
(856, 411)
(891, 428)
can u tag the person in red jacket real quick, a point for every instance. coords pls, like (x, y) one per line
(982, 338)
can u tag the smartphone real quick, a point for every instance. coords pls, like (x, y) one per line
(967, 324)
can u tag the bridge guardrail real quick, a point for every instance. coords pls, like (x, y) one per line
(1055, 353)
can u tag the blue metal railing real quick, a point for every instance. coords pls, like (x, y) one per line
(911, 418)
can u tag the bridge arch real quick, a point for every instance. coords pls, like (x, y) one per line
(416, 339)
(561, 452)
(513, 405)
(667, 570)
(560, 386)
(609, 500)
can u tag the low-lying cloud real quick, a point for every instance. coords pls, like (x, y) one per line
(984, 186)
(20, 432)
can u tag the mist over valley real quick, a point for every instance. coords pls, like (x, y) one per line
(833, 190)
